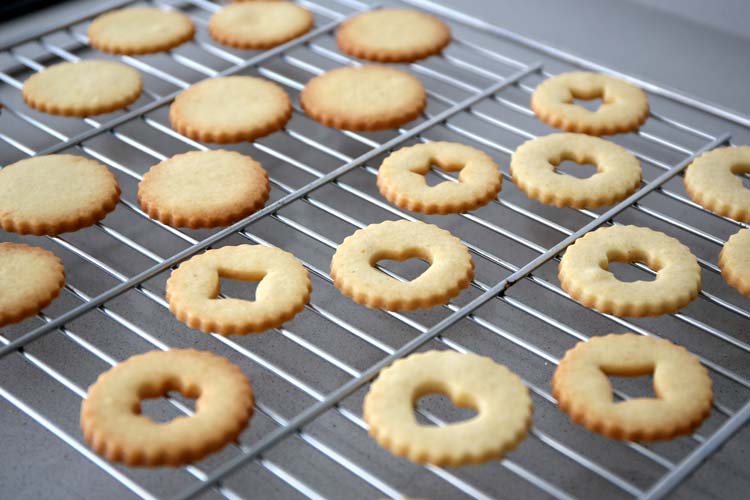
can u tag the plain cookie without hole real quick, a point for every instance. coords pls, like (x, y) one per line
(259, 25)
(140, 30)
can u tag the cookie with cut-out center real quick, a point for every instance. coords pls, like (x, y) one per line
(401, 178)
(259, 25)
(734, 261)
(713, 181)
(111, 418)
(230, 109)
(498, 395)
(624, 107)
(30, 279)
(534, 170)
(140, 30)
(354, 273)
(584, 273)
(282, 292)
(365, 98)
(82, 88)
(393, 35)
(54, 194)
(683, 388)
(202, 189)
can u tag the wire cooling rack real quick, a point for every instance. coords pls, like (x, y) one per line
(307, 438)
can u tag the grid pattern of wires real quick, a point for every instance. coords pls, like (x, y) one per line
(308, 437)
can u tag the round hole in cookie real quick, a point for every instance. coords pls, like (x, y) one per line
(239, 286)
(442, 407)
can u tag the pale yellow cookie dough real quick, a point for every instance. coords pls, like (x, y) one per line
(401, 178)
(393, 35)
(534, 163)
(82, 88)
(55, 194)
(282, 292)
(734, 261)
(30, 279)
(584, 274)
(683, 389)
(353, 272)
(140, 30)
(624, 106)
(111, 418)
(498, 395)
(230, 109)
(203, 189)
(712, 181)
(259, 25)
(364, 98)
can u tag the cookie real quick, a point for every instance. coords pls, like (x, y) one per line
(734, 261)
(259, 25)
(283, 290)
(498, 395)
(624, 106)
(584, 274)
(353, 272)
(534, 163)
(683, 389)
(111, 418)
(82, 88)
(401, 178)
(713, 181)
(203, 189)
(54, 194)
(365, 98)
(30, 279)
(393, 35)
(230, 109)
(140, 30)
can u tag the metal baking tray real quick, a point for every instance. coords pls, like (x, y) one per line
(307, 438)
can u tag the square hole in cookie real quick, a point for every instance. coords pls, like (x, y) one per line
(238, 288)
(634, 387)
(409, 269)
(441, 407)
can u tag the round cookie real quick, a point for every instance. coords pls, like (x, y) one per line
(353, 272)
(401, 178)
(498, 395)
(393, 35)
(82, 88)
(584, 275)
(734, 261)
(230, 109)
(624, 106)
(140, 30)
(111, 418)
(55, 194)
(365, 98)
(683, 388)
(283, 289)
(203, 189)
(533, 168)
(259, 25)
(712, 181)
(30, 279)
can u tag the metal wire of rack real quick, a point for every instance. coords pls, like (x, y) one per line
(308, 438)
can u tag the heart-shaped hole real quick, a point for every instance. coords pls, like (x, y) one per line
(409, 269)
(579, 170)
(619, 264)
(641, 386)
(239, 285)
(590, 104)
(443, 408)
(436, 176)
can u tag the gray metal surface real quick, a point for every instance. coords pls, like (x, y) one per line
(307, 438)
